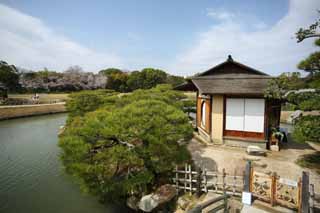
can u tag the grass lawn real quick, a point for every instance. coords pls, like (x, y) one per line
(44, 97)
(311, 161)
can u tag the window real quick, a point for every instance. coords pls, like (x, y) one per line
(203, 114)
(245, 114)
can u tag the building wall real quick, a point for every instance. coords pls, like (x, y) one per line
(217, 118)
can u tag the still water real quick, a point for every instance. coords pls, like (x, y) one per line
(31, 175)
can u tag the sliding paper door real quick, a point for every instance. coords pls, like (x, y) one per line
(245, 114)
(235, 114)
(254, 115)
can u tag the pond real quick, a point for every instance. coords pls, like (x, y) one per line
(31, 176)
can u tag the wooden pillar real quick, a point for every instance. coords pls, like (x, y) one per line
(304, 193)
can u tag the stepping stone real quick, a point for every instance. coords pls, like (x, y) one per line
(255, 150)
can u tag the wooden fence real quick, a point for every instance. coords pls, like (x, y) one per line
(294, 194)
(202, 180)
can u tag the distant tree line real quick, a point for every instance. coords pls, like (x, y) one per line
(147, 78)
(75, 79)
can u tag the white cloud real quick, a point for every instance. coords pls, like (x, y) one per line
(27, 42)
(271, 49)
(220, 14)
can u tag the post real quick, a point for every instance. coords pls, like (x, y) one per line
(311, 198)
(205, 179)
(185, 177)
(225, 200)
(190, 179)
(234, 183)
(177, 180)
(224, 179)
(247, 177)
(273, 188)
(304, 193)
(199, 180)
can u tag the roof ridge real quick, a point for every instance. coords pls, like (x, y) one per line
(232, 61)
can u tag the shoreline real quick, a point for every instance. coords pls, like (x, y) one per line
(22, 111)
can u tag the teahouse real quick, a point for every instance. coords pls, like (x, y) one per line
(231, 107)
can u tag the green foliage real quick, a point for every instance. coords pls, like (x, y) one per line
(311, 31)
(144, 79)
(311, 64)
(279, 86)
(175, 80)
(85, 101)
(162, 92)
(9, 76)
(129, 148)
(110, 71)
(306, 101)
(307, 128)
(118, 82)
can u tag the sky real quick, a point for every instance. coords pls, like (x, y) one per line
(179, 36)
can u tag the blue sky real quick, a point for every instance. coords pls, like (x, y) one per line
(181, 37)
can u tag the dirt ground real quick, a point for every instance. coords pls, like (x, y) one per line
(233, 160)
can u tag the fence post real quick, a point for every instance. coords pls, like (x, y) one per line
(190, 179)
(199, 180)
(311, 198)
(224, 179)
(205, 179)
(225, 200)
(273, 188)
(234, 183)
(185, 177)
(304, 193)
(247, 177)
(177, 180)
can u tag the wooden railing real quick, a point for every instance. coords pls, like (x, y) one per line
(198, 208)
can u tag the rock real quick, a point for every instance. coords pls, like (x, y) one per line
(274, 148)
(255, 150)
(148, 203)
(183, 203)
(162, 195)
(132, 202)
(166, 193)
